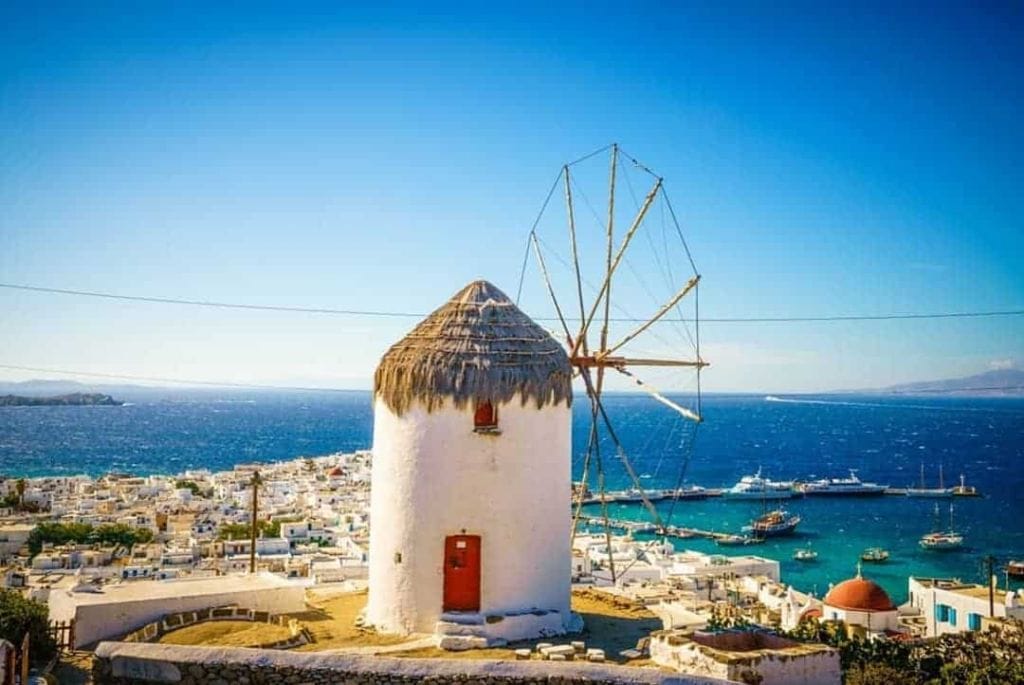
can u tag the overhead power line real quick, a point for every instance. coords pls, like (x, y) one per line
(418, 315)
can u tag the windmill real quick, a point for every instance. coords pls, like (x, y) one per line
(598, 253)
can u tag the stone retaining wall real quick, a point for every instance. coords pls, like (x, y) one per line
(118, 663)
(171, 622)
(747, 657)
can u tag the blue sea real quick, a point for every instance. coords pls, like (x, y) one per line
(885, 439)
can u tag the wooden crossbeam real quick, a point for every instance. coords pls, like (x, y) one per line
(606, 361)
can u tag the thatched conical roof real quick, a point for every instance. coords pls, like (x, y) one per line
(479, 346)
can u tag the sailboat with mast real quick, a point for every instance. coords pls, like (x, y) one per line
(924, 491)
(942, 540)
(772, 523)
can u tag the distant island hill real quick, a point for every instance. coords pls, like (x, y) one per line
(995, 383)
(76, 399)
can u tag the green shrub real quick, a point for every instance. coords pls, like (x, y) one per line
(19, 615)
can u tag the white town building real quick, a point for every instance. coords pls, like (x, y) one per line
(471, 486)
(950, 606)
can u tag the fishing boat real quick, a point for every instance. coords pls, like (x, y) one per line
(773, 524)
(924, 491)
(757, 487)
(942, 540)
(963, 490)
(806, 554)
(1015, 569)
(874, 555)
(842, 486)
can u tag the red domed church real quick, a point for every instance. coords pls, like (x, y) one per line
(861, 602)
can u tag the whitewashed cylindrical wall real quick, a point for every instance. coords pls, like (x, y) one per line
(434, 476)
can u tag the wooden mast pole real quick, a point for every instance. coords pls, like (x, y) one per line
(256, 481)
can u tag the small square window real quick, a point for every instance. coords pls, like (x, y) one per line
(485, 418)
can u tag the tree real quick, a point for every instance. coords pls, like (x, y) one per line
(981, 657)
(121, 534)
(189, 485)
(16, 500)
(19, 615)
(81, 533)
(242, 531)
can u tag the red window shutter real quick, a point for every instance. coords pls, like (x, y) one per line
(486, 416)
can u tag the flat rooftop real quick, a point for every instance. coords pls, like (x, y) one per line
(954, 585)
(149, 590)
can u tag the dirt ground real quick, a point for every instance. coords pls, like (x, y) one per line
(74, 669)
(226, 634)
(612, 624)
(332, 623)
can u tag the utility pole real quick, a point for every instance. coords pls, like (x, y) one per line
(990, 563)
(256, 481)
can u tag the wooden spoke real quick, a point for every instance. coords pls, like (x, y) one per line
(604, 510)
(691, 284)
(615, 263)
(572, 238)
(547, 282)
(623, 457)
(603, 360)
(591, 443)
(653, 392)
(608, 263)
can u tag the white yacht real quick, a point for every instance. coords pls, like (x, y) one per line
(843, 486)
(756, 487)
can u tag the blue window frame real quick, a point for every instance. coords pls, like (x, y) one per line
(974, 621)
(941, 613)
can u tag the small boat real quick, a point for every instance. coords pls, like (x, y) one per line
(806, 554)
(690, 492)
(1015, 569)
(965, 490)
(733, 540)
(943, 540)
(874, 555)
(774, 523)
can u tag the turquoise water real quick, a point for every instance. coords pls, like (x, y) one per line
(886, 439)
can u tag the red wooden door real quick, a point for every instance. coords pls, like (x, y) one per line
(462, 573)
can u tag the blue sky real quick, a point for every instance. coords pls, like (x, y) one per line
(839, 160)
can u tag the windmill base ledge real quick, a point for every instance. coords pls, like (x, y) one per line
(457, 631)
